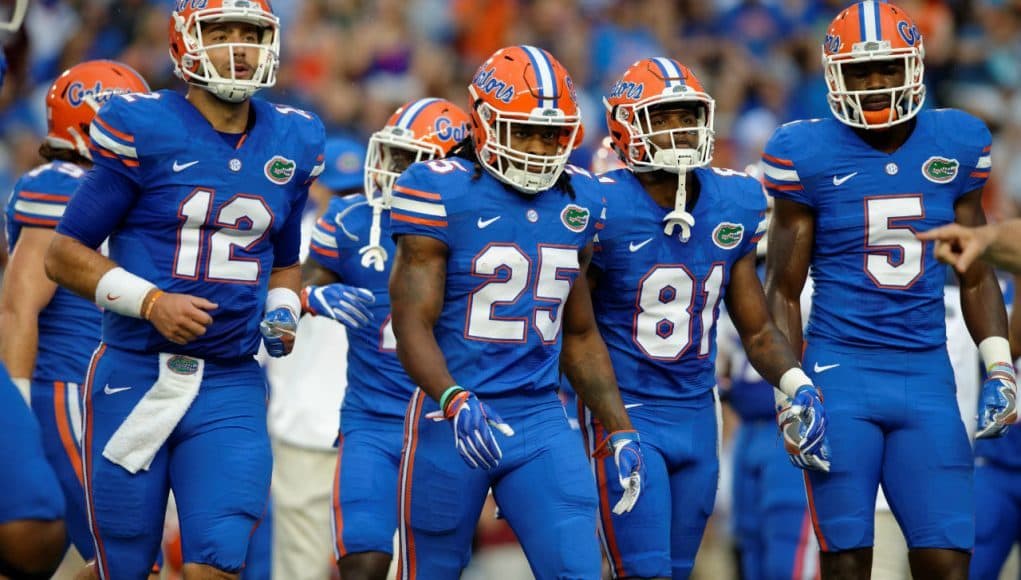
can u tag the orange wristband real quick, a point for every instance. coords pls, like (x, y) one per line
(150, 301)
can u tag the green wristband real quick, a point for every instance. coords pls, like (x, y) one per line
(450, 392)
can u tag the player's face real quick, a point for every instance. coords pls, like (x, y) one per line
(666, 118)
(398, 159)
(245, 57)
(873, 75)
(537, 139)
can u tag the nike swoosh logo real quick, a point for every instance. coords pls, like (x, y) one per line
(633, 405)
(838, 181)
(635, 247)
(483, 224)
(110, 391)
(111, 297)
(821, 369)
(179, 167)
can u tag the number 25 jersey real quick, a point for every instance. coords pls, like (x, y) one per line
(512, 260)
(211, 214)
(876, 285)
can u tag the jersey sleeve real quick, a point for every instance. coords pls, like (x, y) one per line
(113, 138)
(756, 223)
(978, 161)
(42, 200)
(310, 131)
(102, 200)
(780, 175)
(418, 208)
(323, 247)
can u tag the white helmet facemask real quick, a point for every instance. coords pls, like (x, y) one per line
(197, 68)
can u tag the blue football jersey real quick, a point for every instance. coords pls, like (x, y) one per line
(657, 299)
(876, 285)
(376, 381)
(511, 264)
(69, 324)
(213, 213)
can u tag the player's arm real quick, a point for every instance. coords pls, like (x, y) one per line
(26, 291)
(1014, 327)
(315, 274)
(986, 318)
(417, 285)
(791, 235)
(766, 347)
(584, 358)
(323, 293)
(957, 245)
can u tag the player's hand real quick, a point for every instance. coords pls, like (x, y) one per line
(997, 408)
(278, 329)
(957, 245)
(473, 422)
(627, 455)
(180, 318)
(802, 422)
(347, 305)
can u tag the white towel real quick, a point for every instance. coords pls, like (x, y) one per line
(134, 444)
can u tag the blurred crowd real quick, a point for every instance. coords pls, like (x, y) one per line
(354, 61)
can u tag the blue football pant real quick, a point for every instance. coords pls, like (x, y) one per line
(365, 484)
(893, 418)
(661, 535)
(542, 485)
(57, 407)
(997, 518)
(772, 525)
(29, 489)
(217, 461)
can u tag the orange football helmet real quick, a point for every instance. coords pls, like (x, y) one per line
(871, 31)
(418, 131)
(527, 86)
(12, 14)
(191, 55)
(651, 83)
(78, 93)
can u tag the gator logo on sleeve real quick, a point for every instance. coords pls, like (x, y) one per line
(940, 169)
(574, 217)
(279, 169)
(728, 235)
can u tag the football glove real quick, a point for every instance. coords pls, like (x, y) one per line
(802, 422)
(627, 455)
(473, 422)
(998, 405)
(347, 305)
(277, 323)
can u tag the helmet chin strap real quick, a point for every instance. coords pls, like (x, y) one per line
(684, 159)
(374, 254)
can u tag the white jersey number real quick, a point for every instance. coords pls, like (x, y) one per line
(893, 256)
(666, 311)
(509, 270)
(242, 222)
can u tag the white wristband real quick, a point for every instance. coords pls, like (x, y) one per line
(25, 388)
(283, 297)
(995, 350)
(122, 292)
(792, 380)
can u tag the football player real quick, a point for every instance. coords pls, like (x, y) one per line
(488, 295)
(201, 196)
(850, 193)
(51, 331)
(351, 255)
(679, 241)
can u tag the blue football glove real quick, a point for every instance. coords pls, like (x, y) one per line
(473, 421)
(627, 455)
(347, 305)
(998, 406)
(278, 323)
(802, 422)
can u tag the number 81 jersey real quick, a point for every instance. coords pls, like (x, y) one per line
(214, 213)
(657, 299)
(876, 285)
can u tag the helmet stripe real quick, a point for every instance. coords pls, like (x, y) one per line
(879, 21)
(869, 19)
(671, 72)
(409, 115)
(544, 76)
